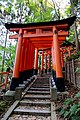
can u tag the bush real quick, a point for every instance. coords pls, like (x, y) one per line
(71, 108)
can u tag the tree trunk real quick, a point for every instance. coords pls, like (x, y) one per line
(75, 28)
(3, 59)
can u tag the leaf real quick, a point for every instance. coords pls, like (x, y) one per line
(68, 101)
(66, 114)
(73, 109)
(77, 70)
(78, 110)
(77, 95)
(73, 118)
(62, 112)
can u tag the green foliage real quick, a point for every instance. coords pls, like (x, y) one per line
(4, 105)
(77, 70)
(75, 2)
(77, 95)
(74, 56)
(71, 108)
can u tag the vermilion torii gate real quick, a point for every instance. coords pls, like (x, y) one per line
(33, 37)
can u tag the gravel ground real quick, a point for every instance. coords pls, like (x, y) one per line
(28, 117)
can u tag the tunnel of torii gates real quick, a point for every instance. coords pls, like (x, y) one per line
(32, 38)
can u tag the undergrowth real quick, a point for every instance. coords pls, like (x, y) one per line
(71, 108)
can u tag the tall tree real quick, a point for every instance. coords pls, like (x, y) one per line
(74, 3)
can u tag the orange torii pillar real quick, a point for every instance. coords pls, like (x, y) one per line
(15, 77)
(25, 59)
(36, 62)
(49, 62)
(21, 69)
(42, 62)
(53, 64)
(59, 75)
(45, 62)
(30, 61)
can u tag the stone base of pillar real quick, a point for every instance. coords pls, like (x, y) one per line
(45, 70)
(60, 84)
(14, 84)
(35, 71)
(53, 94)
(21, 77)
(18, 93)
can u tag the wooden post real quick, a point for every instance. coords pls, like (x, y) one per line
(36, 62)
(15, 77)
(25, 54)
(53, 65)
(42, 62)
(31, 60)
(22, 61)
(25, 60)
(28, 60)
(74, 77)
(46, 62)
(32, 65)
(59, 76)
(49, 61)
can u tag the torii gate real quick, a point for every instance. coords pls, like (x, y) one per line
(38, 36)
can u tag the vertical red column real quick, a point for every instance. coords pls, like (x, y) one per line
(42, 62)
(59, 76)
(53, 64)
(25, 59)
(22, 60)
(36, 62)
(49, 61)
(28, 60)
(15, 77)
(46, 62)
(32, 60)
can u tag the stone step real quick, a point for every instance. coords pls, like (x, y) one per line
(37, 96)
(40, 103)
(32, 112)
(38, 92)
(38, 88)
(41, 86)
